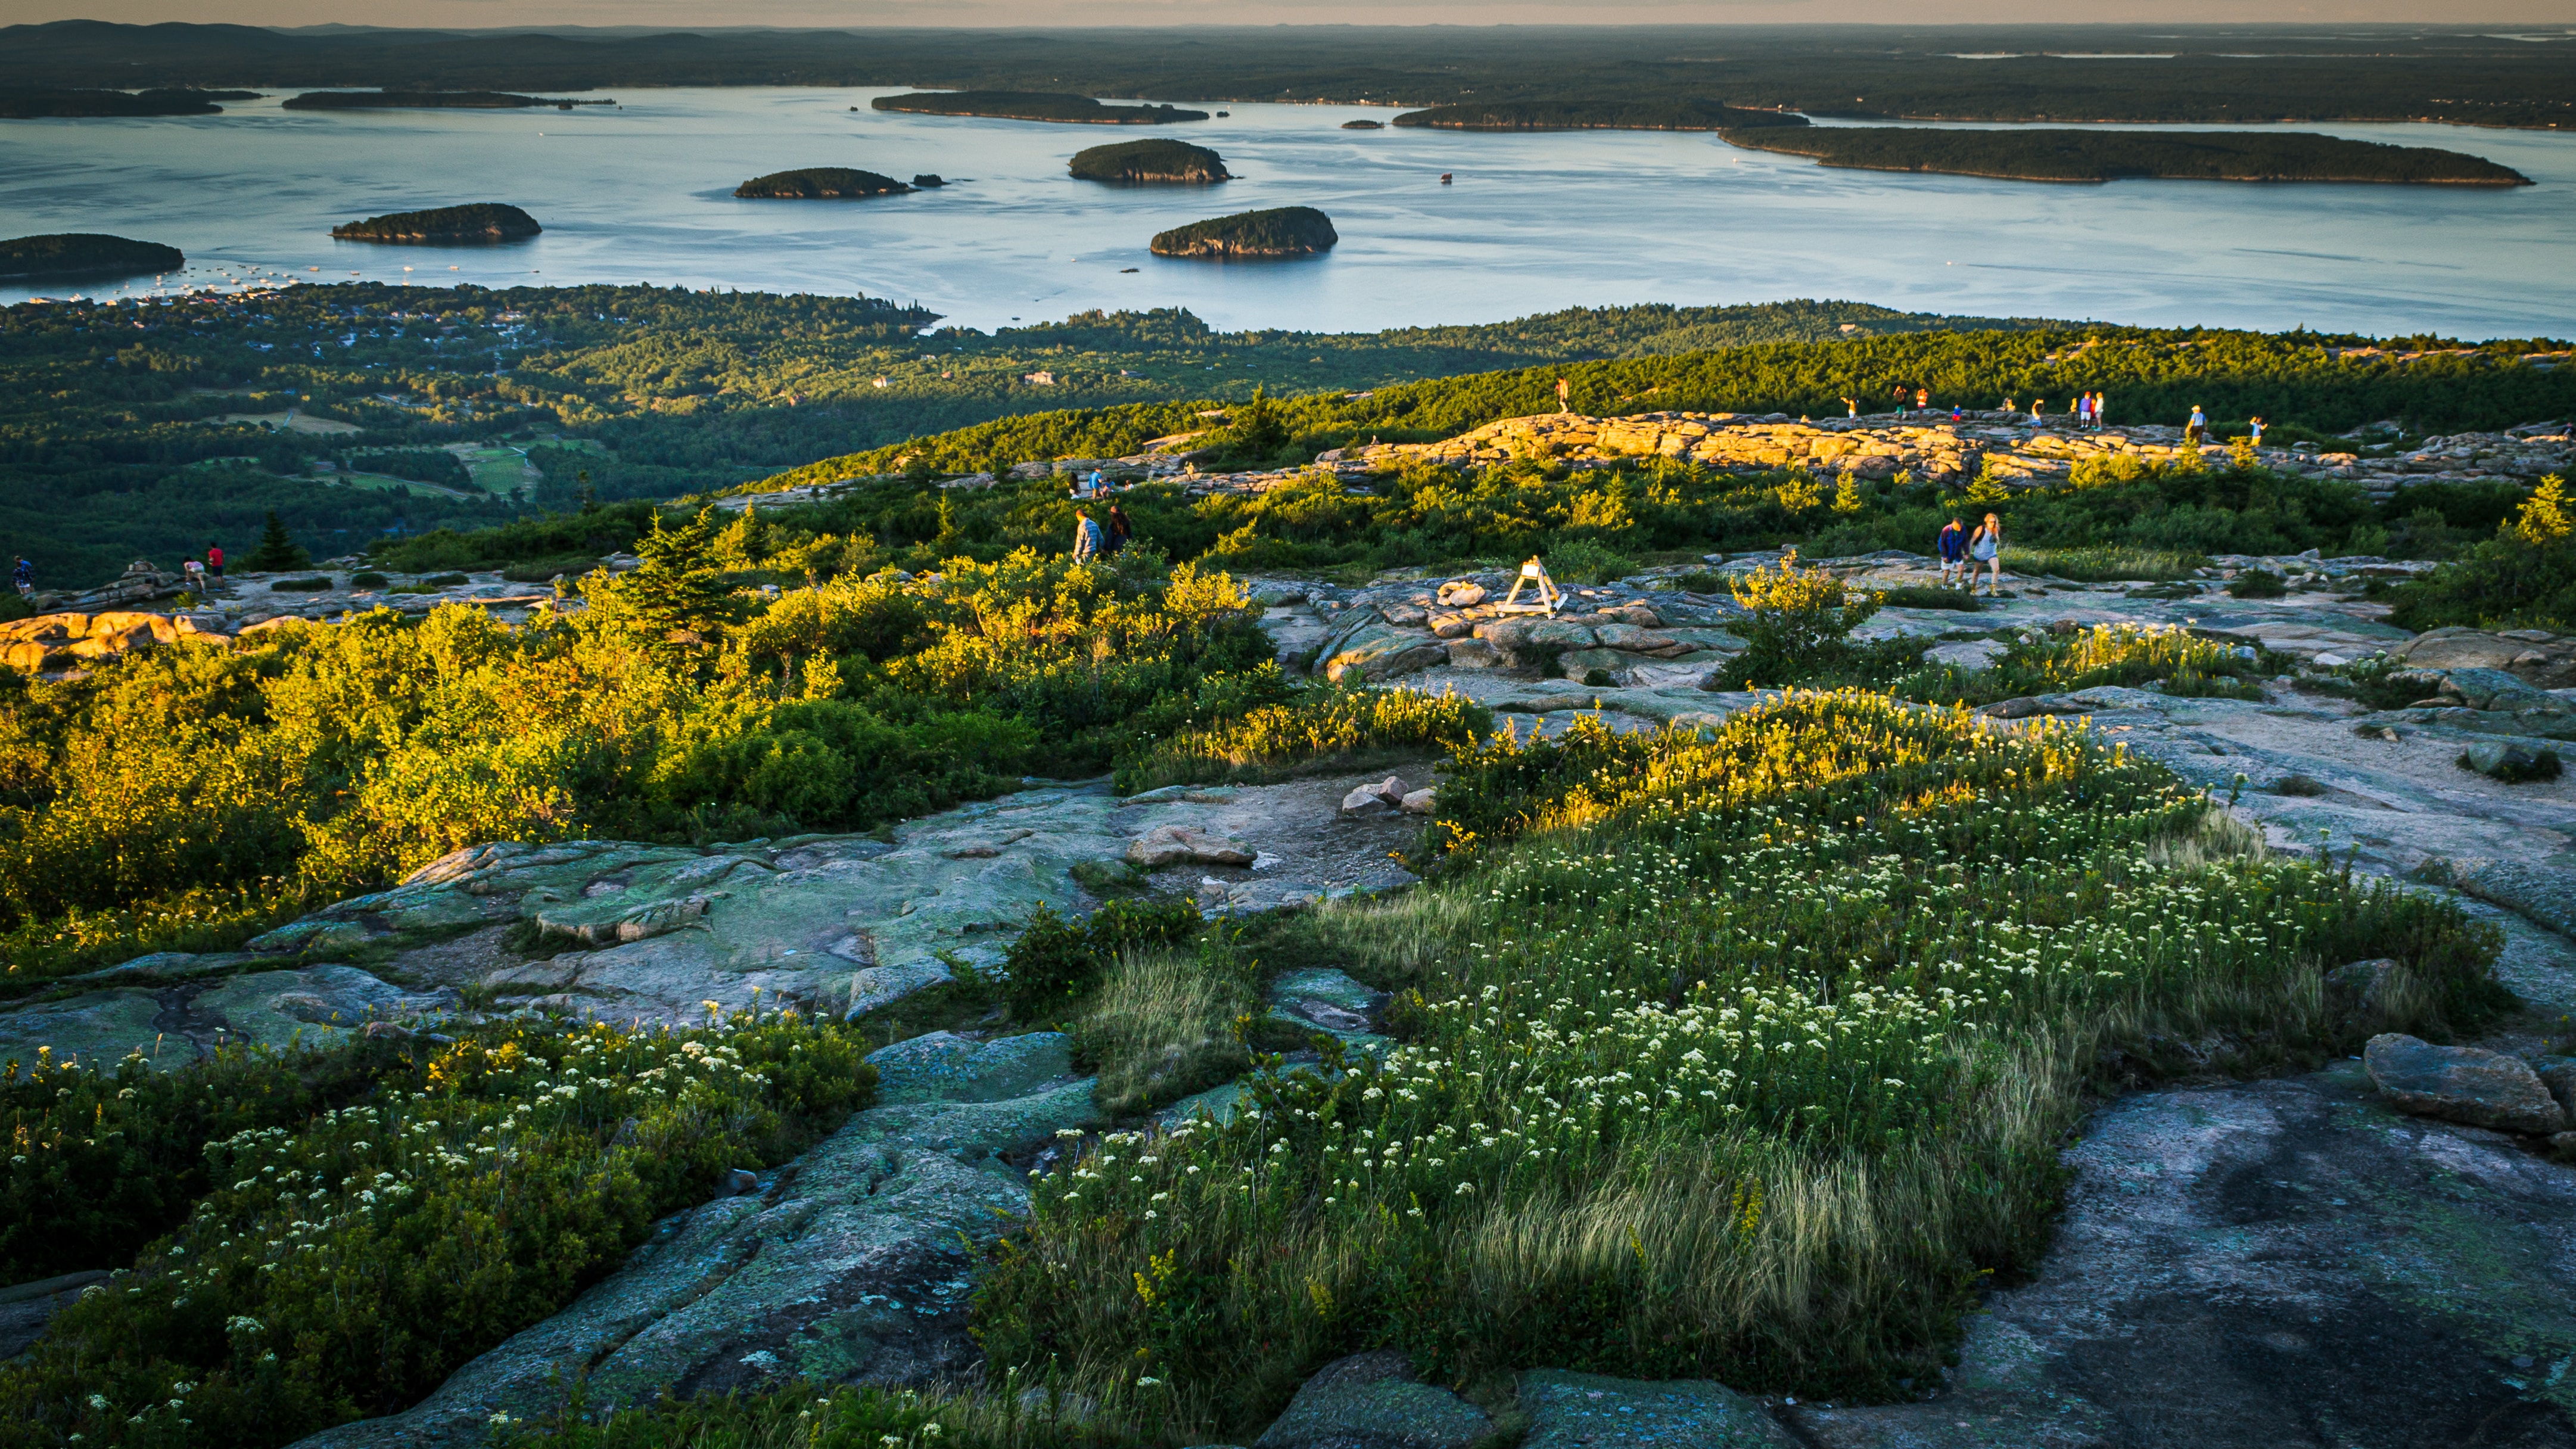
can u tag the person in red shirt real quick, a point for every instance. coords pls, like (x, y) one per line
(214, 560)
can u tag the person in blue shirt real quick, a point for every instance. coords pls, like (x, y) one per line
(2197, 428)
(1953, 547)
(24, 576)
(1086, 538)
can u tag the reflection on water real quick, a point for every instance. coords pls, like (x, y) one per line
(1534, 221)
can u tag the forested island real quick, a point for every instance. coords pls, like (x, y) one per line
(823, 183)
(2070, 155)
(483, 221)
(1033, 106)
(1148, 162)
(1286, 231)
(1682, 115)
(83, 254)
(21, 103)
(429, 100)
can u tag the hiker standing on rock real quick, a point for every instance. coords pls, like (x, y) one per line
(214, 560)
(1986, 548)
(1922, 399)
(1564, 391)
(23, 574)
(1086, 538)
(1952, 545)
(2196, 429)
(1851, 407)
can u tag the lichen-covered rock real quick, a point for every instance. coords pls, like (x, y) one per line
(1373, 1401)
(173, 1024)
(1182, 844)
(2462, 1084)
(1569, 1410)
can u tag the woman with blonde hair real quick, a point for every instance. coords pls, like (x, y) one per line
(1986, 547)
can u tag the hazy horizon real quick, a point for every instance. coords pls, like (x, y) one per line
(658, 15)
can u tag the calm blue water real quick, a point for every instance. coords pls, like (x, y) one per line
(1533, 222)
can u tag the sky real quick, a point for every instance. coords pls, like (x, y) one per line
(695, 14)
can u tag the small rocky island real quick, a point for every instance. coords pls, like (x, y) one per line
(21, 103)
(823, 183)
(83, 254)
(430, 100)
(1033, 106)
(484, 221)
(1287, 231)
(1152, 162)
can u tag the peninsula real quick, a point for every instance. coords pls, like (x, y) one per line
(431, 100)
(2072, 155)
(1033, 106)
(1157, 161)
(484, 221)
(1687, 115)
(822, 183)
(83, 254)
(24, 103)
(1287, 231)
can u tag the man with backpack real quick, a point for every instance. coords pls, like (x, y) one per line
(1953, 547)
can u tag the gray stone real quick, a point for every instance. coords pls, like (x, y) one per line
(1569, 1410)
(2559, 1077)
(2510, 761)
(2360, 988)
(1421, 802)
(1384, 797)
(943, 1066)
(2462, 1084)
(1372, 1401)
(1187, 845)
(1474, 654)
(26, 1308)
(1381, 651)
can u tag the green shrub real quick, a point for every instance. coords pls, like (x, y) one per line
(1310, 725)
(2524, 577)
(367, 579)
(300, 585)
(446, 581)
(2257, 584)
(344, 1269)
(572, 565)
(1056, 961)
(1587, 561)
(2047, 662)
(1918, 596)
(2107, 563)
(1799, 622)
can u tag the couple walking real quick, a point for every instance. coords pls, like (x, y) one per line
(1964, 553)
(1090, 543)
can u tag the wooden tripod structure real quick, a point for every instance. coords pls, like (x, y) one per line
(1548, 600)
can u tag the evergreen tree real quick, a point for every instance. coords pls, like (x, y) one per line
(678, 600)
(277, 552)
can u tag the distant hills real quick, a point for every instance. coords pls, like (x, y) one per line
(429, 100)
(19, 103)
(1687, 115)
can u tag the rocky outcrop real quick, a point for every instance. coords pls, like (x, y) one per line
(56, 643)
(849, 1265)
(2535, 656)
(175, 1007)
(2463, 1084)
(1373, 1401)
(2266, 1264)
(1571, 1410)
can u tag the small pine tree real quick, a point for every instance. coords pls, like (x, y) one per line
(277, 552)
(1847, 497)
(2241, 455)
(677, 601)
(2543, 519)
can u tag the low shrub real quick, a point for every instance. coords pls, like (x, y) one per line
(446, 581)
(1918, 596)
(367, 579)
(1169, 1022)
(300, 586)
(1058, 961)
(2042, 662)
(1799, 622)
(1114, 1414)
(344, 1268)
(2107, 563)
(572, 565)
(1587, 561)
(2257, 584)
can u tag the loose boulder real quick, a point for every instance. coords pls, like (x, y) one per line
(1461, 594)
(1419, 802)
(1373, 1401)
(1385, 797)
(1185, 845)
(2510, 761)
(2462, 1084)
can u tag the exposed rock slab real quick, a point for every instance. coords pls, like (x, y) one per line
(172, 1025)
(847, 1266)
(1569, 1410)
(2284, 1263)
(1372, 1401)
(2462, 1084)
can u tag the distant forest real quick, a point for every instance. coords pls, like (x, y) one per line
(2052, 155)
(112, 448)
(2199, 73)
